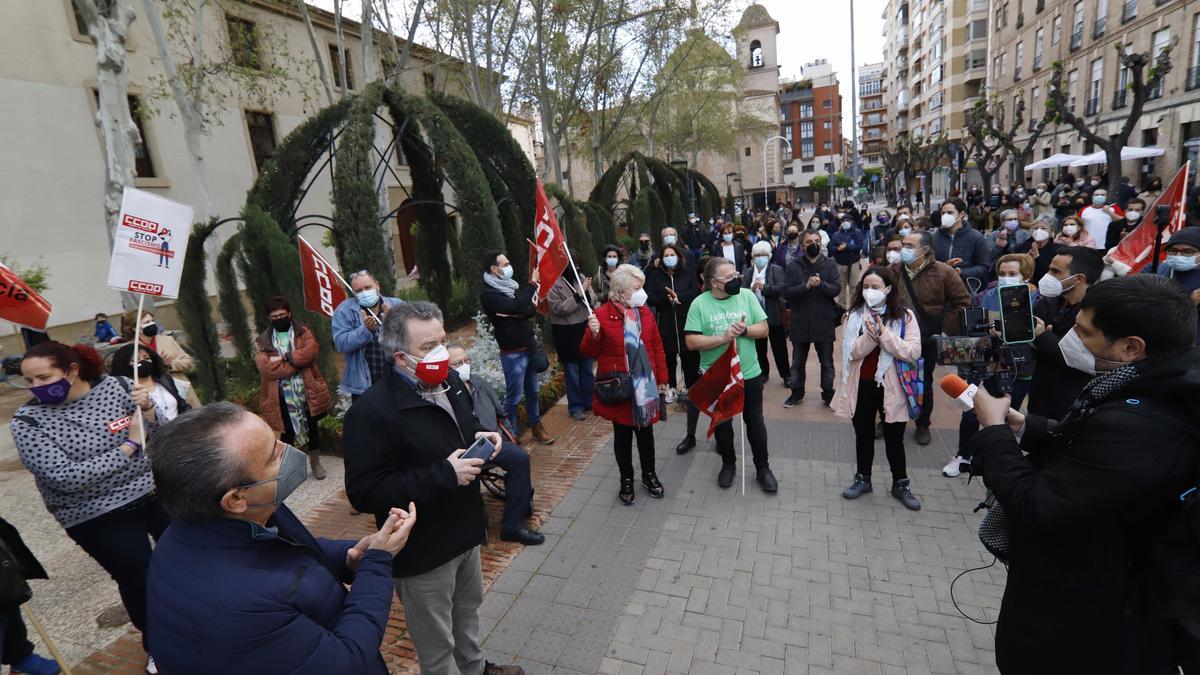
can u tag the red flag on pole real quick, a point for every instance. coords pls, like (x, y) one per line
(721, 392)
(1137, 248)
(551, 247)
(322, 292)
(21, 304)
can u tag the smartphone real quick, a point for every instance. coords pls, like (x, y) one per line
(482, 448)
(1016, 315)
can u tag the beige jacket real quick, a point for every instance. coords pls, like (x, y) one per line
(895, 404)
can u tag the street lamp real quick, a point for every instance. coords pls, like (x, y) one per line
(765, 144)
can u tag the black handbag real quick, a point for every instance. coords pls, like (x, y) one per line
(614, 387)
(14, 589)
(537, 357)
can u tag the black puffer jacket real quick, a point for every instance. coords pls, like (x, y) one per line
(815, 312)
(1055, 384)
(1083, 510)
(686, 286)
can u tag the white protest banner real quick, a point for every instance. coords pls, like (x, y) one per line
(151, 238)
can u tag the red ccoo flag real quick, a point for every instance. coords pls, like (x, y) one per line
(551, 247)
(1137, 248)
(322, 290)
(21, 304)
(721, 392)
(543, 306)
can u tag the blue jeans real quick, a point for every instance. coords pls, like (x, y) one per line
(580, 380)
(519, 378)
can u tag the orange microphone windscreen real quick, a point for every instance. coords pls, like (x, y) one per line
(953, 385)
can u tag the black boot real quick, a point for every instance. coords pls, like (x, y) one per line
(626, 494)
(725, 476)
(685, 446)
(651, 482)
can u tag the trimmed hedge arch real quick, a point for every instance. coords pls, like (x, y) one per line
(653, 194)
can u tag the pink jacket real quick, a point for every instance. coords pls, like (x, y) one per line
(895, 405)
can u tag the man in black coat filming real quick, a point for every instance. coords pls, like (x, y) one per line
(1093, 497)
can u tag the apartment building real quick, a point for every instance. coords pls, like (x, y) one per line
(872, 114)
(52, 212)
(1028, 36)
(810, 110)
(935, 53)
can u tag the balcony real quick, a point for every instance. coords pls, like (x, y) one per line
(1119, 97)
(1155, 93)
(1076, 40)
(1129, 13)
(1193, 79)
(1099, 26)
(1093, 106)
(1017, 74)
(1020, 20)
(979, 5)
(902, 99)
(902, 39)
(1037, 63)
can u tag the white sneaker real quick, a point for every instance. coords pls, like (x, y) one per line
(150, 666)
(952, 469)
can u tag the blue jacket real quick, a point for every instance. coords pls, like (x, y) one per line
(856, 246)
(350, 335)
(229, 594)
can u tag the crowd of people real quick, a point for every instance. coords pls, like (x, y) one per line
(182, 504)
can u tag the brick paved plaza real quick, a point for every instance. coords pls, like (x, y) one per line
(703, 581)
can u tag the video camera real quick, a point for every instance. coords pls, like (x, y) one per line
(993, 351)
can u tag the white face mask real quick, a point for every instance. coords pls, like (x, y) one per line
(637, 298)
(1070, 230)
(874, 298)
(1075, 354)
(1009, 281)
(1040, 235)
(464, 371)
(904, 231)
(1051, 287)
(893, 257)
(1133, 216)
(948, 220)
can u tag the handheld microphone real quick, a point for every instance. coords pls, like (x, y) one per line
(958, 389)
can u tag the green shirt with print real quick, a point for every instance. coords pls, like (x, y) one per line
(710, 316)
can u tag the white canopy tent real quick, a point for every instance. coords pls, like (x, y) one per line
(1053, 161)
(1127, 153)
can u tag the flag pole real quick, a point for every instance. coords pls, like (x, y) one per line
(579, 281)
(137, 338)
(742, 419)
(339, 278)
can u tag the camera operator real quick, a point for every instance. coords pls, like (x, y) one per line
(1055, 383)
(1088, 505)
(936, 293)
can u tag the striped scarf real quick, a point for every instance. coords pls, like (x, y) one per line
(645, 389)
(294, 398)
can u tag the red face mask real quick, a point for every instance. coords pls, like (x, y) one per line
(435, 367)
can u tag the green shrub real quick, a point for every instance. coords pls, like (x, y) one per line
(242, 383)
(412, 294)
(464, 302)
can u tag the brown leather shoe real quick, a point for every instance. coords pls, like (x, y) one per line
(314, 463)
(540, 435)
(490, 668)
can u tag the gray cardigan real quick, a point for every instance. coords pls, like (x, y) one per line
(73, 449)
(565, 307)
(487, 405)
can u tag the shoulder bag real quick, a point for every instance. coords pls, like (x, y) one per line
(912, 380)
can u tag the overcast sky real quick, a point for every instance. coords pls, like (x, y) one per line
(820, 29)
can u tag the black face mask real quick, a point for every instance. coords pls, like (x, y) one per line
(644, 245)
(733, 286)
(793, 235)
(813, 250)
(281, 325)
(145, 369)
(151, 330)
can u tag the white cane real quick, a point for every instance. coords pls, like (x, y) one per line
(742, 419)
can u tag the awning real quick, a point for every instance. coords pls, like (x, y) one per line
(1127, 153)
(1053, 161)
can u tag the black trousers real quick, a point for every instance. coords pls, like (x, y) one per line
(14, 640)
(800, 362)
(518, 487)
(120, 541)
(756, 428)
(777, 339)
(289, 434)
(929, 353)
(623, 448)
(868, 409)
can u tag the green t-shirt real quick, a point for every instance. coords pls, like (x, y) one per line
(709, 316)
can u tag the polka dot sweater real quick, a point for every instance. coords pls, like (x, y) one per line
(73, 450)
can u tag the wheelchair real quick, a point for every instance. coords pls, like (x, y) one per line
(493, 477)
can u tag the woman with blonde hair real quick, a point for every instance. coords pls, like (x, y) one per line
(1073, 233)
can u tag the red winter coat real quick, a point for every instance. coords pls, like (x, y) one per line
(608, 349)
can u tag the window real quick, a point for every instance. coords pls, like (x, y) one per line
(747, 151)
(143, 158)
(1101, 18)
(426, 78)
(936, 75)
(937, 51)
(243, 43)
(261, 128)
(808, 168)
(336, 67)
(1018, 59)
(1193, 74)
(806, 148)
(787, 132)
(827, 103)
(806, 130)
(1039, 41)
(806, 110)
(828, 145)
(826, 124)
(1034, 113)
(977, 30)
(1093, 105)
(787, 170)
(1056, 33)
(1129, 12)
(1162, 41)
(1119, 96)
(756, 54)
(1077, 26)
(1003, 63)
(1072, 83)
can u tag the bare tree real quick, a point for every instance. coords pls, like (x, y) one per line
(109, 29)
(1142, 85)
(989, 135)
(316, 47)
